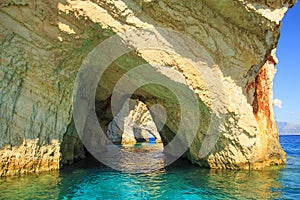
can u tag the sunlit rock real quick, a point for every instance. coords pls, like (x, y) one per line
(43, 45)
(132, 124)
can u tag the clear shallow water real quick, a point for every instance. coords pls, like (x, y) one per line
(180, 181)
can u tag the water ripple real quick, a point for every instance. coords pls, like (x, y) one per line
(91, 180)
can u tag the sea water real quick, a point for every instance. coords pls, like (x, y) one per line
(91, 180)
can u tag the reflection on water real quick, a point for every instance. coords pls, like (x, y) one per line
(136, 158)
(91, 180)
(34, 186)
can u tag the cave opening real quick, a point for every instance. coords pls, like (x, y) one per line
(135, 124)
(157, 105)
(145, 116)
(136, 128)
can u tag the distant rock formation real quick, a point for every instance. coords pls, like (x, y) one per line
(285, 128)
(132, 124)
(43, 45)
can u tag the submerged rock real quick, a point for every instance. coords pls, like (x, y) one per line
(43, 45)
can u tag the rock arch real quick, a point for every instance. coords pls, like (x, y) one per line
(132, 124)
(43, 44)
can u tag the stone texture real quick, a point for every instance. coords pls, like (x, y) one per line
(30, 156)
(132, 124)
(43, 44)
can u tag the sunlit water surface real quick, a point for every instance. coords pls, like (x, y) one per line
(90, 180)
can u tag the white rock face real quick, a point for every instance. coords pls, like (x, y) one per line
(132, 124)
(43, 45)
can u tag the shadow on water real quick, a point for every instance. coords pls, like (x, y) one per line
(90, 179)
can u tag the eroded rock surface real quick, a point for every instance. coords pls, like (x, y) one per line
(43, 45)
(132, 124)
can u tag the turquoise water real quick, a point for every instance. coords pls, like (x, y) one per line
(91, 180)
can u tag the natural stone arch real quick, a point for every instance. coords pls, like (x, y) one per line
(40, 58)
(132, 124)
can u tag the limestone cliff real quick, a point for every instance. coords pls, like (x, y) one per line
(43, 45)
